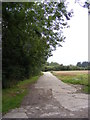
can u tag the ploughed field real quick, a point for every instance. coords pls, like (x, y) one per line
(79, 79)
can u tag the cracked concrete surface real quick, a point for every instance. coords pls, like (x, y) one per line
(51, 98)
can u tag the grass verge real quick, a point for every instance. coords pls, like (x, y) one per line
(12, 97)
(76, 78)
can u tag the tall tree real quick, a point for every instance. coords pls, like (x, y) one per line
(30, 31)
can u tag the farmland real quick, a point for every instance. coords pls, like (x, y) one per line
(79, 79)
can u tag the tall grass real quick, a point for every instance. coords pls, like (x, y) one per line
(76, 78)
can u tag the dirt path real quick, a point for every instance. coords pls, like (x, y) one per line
(51, 98)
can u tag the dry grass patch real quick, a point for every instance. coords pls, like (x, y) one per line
(71, 72)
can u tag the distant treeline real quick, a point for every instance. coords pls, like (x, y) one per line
(53, 66)
(83, 64)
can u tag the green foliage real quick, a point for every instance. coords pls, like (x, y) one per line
(53, 66)
(28, 37)
(85, 65)
(12, 97)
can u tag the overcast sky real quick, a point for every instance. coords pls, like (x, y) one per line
(75, 47)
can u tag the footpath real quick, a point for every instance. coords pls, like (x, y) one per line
(51, 98)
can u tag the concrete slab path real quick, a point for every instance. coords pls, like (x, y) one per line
(51, 98)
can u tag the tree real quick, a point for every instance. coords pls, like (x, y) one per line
(84, 64)
(29, 34)
(79, 64)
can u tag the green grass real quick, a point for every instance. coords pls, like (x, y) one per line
(79, 79)
(12, 97)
